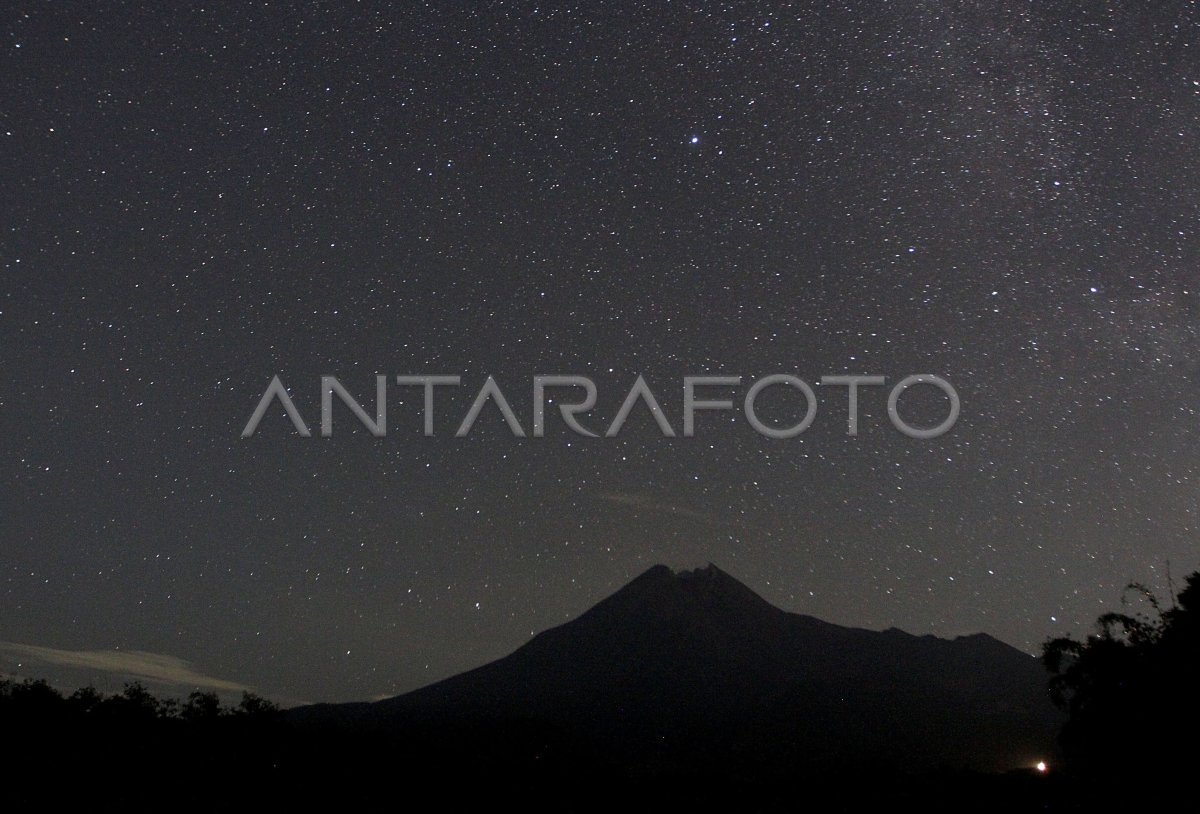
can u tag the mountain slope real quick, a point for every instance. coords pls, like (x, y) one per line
(682, 667)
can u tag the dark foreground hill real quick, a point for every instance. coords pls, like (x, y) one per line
(692, 674)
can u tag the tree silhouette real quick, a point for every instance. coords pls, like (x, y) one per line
(255, 706)
(201, 706)
(1130, 691)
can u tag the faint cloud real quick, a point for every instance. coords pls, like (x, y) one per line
(135, 664)
(649, 503)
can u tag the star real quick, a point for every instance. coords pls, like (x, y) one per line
(856, 213)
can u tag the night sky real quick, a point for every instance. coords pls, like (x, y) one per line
(199, 197)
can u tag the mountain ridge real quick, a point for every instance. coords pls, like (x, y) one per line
(696, 663)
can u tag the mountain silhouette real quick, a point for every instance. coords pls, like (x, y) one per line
(694, 669)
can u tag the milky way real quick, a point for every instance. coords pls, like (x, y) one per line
(200, 197)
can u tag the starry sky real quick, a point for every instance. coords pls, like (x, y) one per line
(198, 197)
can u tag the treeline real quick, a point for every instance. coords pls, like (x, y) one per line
(133, 751)
(37, 700)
